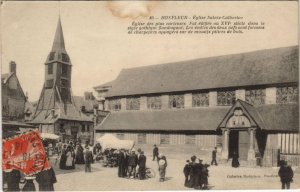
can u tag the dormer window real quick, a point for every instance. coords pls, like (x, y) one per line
(65, 57)
(51, 56)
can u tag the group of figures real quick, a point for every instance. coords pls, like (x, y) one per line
(133, 165)
(71, 155)
(196, 174)
(45, 179)
(128, 163)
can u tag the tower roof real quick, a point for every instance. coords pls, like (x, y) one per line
(58, 51)
(58, 43)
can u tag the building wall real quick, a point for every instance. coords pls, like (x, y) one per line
(202, 140)
(282, 146)
(269, 97)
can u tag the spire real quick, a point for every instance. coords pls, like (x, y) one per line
(59, 43)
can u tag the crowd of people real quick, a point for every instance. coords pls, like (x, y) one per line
(45, 179)
(71, 154)
(132, 165)
(196, 174)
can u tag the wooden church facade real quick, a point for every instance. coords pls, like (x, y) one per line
(245, 103)
(56, 111)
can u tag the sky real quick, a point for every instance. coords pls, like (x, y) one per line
(97, 42)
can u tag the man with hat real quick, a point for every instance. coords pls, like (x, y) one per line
(88, 159)
(142, 166)
(286, 175)
(132, 163)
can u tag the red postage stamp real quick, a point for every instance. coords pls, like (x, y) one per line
(25, 153)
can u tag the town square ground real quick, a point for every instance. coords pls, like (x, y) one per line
(222, 176)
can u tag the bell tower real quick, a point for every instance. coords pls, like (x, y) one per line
(58, 68)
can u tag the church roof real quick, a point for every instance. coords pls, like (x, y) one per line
(273, 117)
(264, 67)
(61, 111)
(58, 51)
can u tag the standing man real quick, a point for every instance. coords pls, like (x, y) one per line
(155, 152)
(186, 171)
(132, 163)
(121, 160)
(88, 159)
(214, 157)
(286, 175)
(142, 166)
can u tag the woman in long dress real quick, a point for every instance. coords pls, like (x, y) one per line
(79, 157)
(70, 158)
(235, 160)
(63, 158)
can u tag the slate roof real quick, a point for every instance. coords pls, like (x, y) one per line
(262, 67)
(65, 112)
(107, 84)
(277, 117)
(88, 104)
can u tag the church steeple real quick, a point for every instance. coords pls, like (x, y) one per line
(58, 51)
(59, 42)
(58, 68)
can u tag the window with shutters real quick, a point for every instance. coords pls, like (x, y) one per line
(256, 96)
(154, 102)
(200, 99)
(287, 94)
(176, 101)
(141, 138)
(225, 98)
(164, 139)
(50, 68)
(133, 103)
(190, 139)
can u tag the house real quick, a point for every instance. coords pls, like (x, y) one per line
(14, 103)
(245, 103)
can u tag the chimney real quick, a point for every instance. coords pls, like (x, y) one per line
(13, 67)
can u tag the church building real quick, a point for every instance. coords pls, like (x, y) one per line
(244, 103)
(56, 111)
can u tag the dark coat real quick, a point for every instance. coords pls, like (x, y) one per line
(132, 160)
(286, 174)
(155, 151)
(186, 170)
(79, 158)
(142, 161)
(46, 179)
(13, 179)
(214, 154)
(121, 163)
(88, 157)
(235, 160)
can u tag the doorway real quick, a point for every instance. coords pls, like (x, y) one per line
(233, 143)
